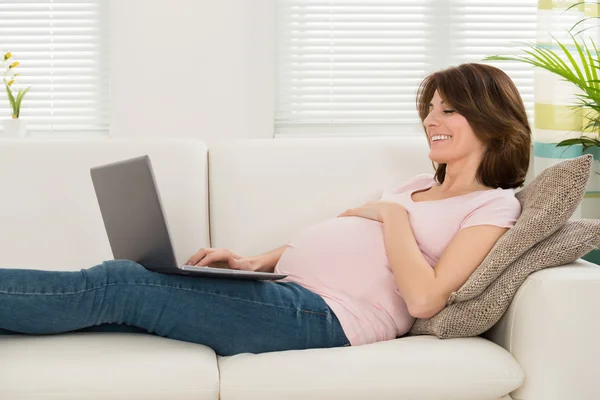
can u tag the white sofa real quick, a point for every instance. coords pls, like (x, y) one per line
(261, 192)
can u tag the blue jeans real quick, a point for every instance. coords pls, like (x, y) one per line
(230, 316)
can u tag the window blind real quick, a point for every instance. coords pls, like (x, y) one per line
(351, 67)
(61, 46)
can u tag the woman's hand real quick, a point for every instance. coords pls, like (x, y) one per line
(223, 258)
(375, 210)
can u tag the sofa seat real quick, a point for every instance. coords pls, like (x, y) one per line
(419, 367)
(106, 365)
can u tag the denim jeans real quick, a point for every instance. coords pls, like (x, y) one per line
(230, 316)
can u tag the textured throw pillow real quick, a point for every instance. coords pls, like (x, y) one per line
(547, 203)
(477, 315)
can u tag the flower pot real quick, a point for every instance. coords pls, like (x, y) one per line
(14, 128)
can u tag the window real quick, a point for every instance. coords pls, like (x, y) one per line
(61, 46)
(350, 67)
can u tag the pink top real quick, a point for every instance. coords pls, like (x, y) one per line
(344, 259)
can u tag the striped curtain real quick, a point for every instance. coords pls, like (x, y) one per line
(555, 119)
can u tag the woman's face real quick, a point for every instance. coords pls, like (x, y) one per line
(442, 119)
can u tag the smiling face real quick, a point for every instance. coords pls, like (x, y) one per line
(463, 145)
(485, 115)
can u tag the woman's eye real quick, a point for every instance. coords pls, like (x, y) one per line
(448, 111)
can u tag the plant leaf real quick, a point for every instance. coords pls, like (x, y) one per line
(20, 96)
(586, 78)
(583, 20)
(595, 48)
(586, 142)
(536, 60)
(543, 60)
(569, 142)
(11, 98)
(574, 5)
(595, 81)
(559, 61)
(551, 57)
(584, 62)
(571, 59)
(544, 56)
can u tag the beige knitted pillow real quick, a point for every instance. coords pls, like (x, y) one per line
(475, 316)
(547, 203)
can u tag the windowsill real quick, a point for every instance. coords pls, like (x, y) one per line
(60, 135)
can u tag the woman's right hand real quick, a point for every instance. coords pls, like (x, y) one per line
(226, 259)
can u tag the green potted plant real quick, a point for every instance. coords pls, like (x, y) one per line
(13, 127)
(583, 75)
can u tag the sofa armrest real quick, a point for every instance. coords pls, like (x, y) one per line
(552, 328)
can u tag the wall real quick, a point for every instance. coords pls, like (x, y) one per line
(192, 68)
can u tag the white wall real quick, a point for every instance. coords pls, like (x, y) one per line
(192, 68)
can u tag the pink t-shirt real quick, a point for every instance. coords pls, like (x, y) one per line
(344, 259)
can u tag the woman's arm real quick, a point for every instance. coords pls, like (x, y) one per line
(412, 273)
(269, 260)
(425, 289)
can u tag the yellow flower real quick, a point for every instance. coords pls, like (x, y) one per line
(7, 56)
(11, 82)
(13, 65)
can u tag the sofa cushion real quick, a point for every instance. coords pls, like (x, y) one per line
(477, 315)
(424, 368)
(105, 365)
(547, 203)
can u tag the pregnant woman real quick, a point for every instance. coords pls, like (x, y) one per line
(359, 277)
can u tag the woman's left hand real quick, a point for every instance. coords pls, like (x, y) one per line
(375, 210)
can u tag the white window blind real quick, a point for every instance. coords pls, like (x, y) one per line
(61, 46)
(351, 67)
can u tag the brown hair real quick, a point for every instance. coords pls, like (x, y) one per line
(492, 105)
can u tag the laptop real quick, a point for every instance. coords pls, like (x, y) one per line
(135, 222)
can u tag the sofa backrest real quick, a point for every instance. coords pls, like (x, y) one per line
(264, 191)
(49, 215)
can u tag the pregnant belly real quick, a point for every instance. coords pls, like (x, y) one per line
(345, 254)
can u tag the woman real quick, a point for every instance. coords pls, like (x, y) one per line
(359, 278)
